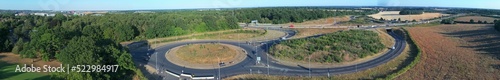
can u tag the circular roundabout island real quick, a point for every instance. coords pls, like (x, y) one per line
(206, 55)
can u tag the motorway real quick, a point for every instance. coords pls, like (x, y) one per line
(156, 58)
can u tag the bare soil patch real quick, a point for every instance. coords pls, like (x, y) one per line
(306, 32)
(206, 56)
(461, 51)
(390, 15)
(475, 18)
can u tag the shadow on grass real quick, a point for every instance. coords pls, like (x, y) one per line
(489, 42)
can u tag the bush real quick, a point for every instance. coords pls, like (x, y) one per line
(355, 42)
(497, 26)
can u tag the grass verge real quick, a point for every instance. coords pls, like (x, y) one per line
(7, 71)
(412, 64)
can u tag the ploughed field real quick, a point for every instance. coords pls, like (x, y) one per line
(390, 15)
(460, 51)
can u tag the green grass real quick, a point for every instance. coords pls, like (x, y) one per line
(7, 72)
(208, 36)
(361, 43)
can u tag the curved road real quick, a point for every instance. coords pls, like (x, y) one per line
(265, 66)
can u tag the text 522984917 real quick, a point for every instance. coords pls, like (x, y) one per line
(61, 68)
(94, 68)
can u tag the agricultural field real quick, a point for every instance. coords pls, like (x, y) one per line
(390, 15)
(476, 18)
(330, 48)
(460, 51)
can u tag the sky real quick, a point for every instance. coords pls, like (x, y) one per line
(191, 4)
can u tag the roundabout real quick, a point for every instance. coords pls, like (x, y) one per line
(257, 61)
(206, 55)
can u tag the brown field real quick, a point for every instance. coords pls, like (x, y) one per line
(205, 56)
(456, 52)
(305, 32)
(389, 15)
(476, 18)
(205, 53)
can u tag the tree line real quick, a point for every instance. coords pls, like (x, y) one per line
(411, 12)
(291, 14)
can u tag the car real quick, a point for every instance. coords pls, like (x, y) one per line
(393, 47)
(222, 64)
(283, 38)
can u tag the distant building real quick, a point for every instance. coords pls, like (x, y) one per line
(20, 14)
(51, 14)
(144, 12)
(39, 14)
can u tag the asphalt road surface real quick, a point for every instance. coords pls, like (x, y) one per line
(156, 58)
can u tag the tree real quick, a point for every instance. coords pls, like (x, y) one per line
(471, 21)
(399, 19)
(485, 22)
(18, 46)
(494, 21)
(447, 21)
(382, 19)
(479, 21)
(413, 20)
(410, 12)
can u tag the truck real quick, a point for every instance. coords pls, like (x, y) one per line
(283, 38)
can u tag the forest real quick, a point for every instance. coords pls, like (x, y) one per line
(94, 40)
(291, 14)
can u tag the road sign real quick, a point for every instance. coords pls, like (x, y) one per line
(258, 59)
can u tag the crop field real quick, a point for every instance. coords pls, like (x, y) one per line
(460, 51)
(475, 18)
(390, 15)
